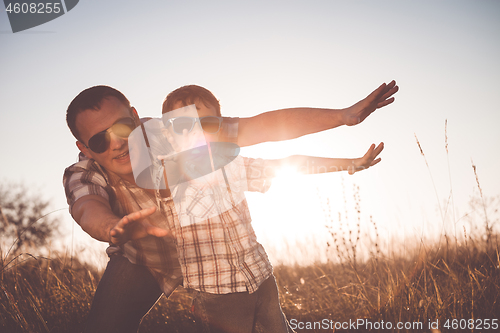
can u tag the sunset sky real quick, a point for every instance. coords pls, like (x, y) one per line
(259, 56)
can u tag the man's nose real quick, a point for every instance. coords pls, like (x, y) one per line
(116, 142)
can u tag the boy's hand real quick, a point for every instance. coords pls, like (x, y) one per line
(379, 98)
(367, 160)
(132, 226)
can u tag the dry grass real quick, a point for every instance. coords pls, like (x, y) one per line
(434, 283)
(54, 295)
(451, 282)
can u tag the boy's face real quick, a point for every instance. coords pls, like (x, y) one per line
(90, 122)
(196, 137)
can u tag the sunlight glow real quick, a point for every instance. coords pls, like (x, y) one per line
(287, 172)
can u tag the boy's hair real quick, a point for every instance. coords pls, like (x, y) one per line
(90, 99)
(189, 95)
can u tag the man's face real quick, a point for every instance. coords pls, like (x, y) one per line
(90, 122)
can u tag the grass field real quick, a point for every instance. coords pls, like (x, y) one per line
(456, 281)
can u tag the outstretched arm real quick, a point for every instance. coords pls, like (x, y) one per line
(292, 123)
(132, 226)
(93, 213)
(315, 165)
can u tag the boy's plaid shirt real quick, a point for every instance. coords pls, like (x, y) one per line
(217, 247)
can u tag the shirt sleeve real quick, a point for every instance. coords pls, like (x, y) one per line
(229, 130)
(258, 174)
(85, 178)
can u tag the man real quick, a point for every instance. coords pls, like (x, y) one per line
(98, 118)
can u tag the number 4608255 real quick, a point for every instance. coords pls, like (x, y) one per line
(478, 324)
(33, 8)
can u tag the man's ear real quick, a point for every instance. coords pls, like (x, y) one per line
(83, 149)
(134, 113)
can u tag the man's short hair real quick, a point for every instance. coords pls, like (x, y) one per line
(90, 99)
(189, 95)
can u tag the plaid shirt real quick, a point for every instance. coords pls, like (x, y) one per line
(217, 247)
(220, 254)
(158, 254)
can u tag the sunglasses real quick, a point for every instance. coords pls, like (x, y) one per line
(99, 143)
(209, 124)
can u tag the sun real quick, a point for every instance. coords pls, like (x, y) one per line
(286, 173)
(290, 211)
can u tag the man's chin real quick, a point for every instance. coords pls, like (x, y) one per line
(120, 167)
(125, 173)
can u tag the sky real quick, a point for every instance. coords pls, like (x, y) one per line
(258, 56)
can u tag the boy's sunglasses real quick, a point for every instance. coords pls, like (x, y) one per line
(99, 143)
(209, 124)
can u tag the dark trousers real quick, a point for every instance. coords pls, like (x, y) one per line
(124, 295)
(258, 312)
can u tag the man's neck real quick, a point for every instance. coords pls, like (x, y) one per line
(129, 178)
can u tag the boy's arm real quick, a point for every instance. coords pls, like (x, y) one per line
(314, 165)
(292, 123)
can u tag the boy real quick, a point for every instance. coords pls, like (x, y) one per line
(222, 263)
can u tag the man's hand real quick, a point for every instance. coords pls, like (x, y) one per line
(132, 226)
(367, 160)
(379, 98)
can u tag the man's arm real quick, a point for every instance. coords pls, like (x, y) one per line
(292, 123)
(93, 213)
